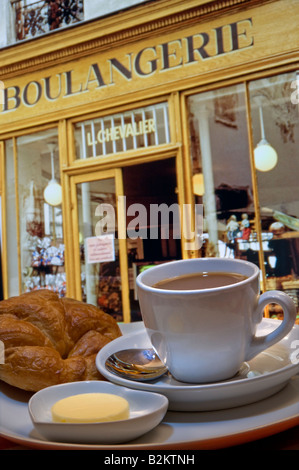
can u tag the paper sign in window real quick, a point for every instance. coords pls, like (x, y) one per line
(100, 249)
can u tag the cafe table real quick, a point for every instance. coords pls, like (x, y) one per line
(271, 423)
(268, 424)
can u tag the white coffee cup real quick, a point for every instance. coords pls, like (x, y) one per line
(205, 335)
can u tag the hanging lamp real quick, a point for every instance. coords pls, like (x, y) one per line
(53, 191)
(265, 156)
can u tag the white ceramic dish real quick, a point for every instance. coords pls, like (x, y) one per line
(146, 412)
(263, 376)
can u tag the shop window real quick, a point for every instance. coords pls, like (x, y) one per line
(222, 179)
(136, 129)
(275, 128)
(231, 189)
(34, 229)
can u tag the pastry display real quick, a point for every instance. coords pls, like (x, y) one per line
(50, 340)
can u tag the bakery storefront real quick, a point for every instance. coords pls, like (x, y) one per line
(108, 136)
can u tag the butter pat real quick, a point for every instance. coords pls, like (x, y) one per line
(90, 408)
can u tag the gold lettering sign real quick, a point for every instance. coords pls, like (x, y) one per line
(123, 132)
(163, 59)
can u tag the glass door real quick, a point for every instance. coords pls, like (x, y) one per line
(153, 226)
(101, 269)
(124, 221)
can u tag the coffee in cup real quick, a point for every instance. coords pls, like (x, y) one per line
(203, 280)
(203, 333)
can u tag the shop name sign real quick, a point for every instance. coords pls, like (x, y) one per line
(191, 53)
(146, 126)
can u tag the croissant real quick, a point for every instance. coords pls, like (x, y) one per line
(50, 340)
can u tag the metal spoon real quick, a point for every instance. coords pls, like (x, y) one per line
(136, 364)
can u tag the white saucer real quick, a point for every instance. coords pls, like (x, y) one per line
(267, 374)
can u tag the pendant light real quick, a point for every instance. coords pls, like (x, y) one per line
(265, 156)
(53, 191)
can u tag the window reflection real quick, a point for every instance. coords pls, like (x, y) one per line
(222, 179)
(278, 188)
(37, 260)
(229, 188)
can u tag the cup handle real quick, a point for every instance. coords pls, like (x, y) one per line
(259, 343)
